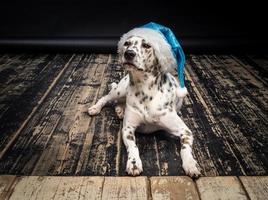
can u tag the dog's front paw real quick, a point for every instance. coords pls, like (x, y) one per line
(120, 111)
(190, 167)
(134, 167)
(94, 110)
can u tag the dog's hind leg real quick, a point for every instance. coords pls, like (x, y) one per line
(117, 91)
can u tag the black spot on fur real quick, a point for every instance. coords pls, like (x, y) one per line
(118, 93)
(156, 80)
(145, 77)
(137, 94)
(131, 137)
(144, 98)
(151, 98)
(164, 78)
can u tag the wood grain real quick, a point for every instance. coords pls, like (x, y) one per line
(211, 188)
(256, 186)
(173, 188)
(24, 81)
(6, 182)
(125, 188)
(37, 187)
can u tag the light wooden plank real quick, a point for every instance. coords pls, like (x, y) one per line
(79, 188)
(27, 188)
(228, 187)
(173, 188)
(91, 188)
(125, 188)
(256, 186)
(5, 183)
(38, 187)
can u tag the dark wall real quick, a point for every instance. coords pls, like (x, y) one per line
(201, 26)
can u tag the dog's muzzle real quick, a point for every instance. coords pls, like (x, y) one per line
(129, 55)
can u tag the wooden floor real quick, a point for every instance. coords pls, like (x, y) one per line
(138, 188)
(45, 130)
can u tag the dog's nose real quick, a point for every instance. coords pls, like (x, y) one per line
(129, 54)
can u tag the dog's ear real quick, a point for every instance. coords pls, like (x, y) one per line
(120, 44)
(165, 57)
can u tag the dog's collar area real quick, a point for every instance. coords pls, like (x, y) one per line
(132, 66)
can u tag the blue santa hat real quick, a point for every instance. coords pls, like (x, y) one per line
(167, 48)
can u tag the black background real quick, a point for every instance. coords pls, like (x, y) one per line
(78, 24)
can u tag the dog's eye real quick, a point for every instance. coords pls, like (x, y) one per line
(127, 43)
(146, 46)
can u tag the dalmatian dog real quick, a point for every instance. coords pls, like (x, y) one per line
(151, 96)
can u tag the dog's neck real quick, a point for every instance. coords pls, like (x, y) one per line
(146, 80)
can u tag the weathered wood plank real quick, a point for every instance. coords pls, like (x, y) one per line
(72, 126)
(249, 104)
(168, 150)
(209, 148)
(173, 188)
(6, 182)
(38, 187)
(92, 188)
(230, 119)
(92, 97)
(34, 138)
(258, 64)
(79, 188)
(23, 86)
(148, 153)
(211, 188)
(125, 188)
(256, 186)
(103, 155)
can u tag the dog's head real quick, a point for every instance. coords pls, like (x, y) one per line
(145, 50)
(138, 54)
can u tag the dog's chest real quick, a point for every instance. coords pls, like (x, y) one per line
(151, 103)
